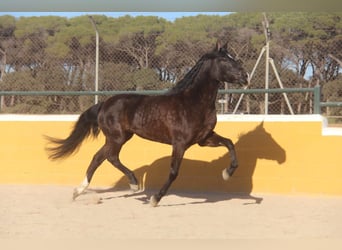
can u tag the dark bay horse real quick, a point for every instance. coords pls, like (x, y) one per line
(183, 116)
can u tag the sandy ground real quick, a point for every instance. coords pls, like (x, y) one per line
(47, 212)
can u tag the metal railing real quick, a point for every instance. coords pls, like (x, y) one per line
(315, 90)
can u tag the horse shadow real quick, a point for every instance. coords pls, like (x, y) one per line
(251, 146)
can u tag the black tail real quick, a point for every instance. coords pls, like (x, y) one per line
(86, 125)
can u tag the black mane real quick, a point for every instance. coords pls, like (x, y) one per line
(188, 80)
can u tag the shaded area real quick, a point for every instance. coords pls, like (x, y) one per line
(194, 174)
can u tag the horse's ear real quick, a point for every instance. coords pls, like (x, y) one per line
(219, 45)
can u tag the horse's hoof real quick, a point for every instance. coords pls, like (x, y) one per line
(225, 174)
(153, 201)
(134, 187)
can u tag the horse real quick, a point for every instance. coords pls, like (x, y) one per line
(181, 117)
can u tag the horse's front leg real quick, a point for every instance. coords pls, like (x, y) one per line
(176, 159)
(215, 140)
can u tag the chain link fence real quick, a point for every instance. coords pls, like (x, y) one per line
(33, 69)
(141, 62)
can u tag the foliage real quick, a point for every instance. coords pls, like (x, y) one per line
(148, 52)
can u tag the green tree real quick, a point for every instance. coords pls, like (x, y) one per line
(310, 37)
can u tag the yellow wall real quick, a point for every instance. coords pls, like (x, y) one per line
(277, 154)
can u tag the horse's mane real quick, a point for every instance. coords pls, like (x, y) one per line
(188, 80)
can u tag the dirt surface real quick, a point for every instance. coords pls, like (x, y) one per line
(47, 212)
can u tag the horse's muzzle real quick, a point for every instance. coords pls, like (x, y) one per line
(244, 80)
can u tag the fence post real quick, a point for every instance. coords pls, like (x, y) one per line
(317, 99)
(96, 58)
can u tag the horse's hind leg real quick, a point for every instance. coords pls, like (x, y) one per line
(109, 151)
(115, 144)
(113, 158)
(215, 140)
(98, 158)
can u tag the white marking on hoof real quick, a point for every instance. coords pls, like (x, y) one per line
(79, 190)
(134, 187)
(153, 201)
(225, 174)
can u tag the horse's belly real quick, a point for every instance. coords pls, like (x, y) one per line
(154, 135)
(152, 128)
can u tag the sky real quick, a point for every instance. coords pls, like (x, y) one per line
(170, 16)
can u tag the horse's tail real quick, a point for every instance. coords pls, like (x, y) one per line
(85, 126)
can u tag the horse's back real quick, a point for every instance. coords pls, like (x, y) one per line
(118, 110)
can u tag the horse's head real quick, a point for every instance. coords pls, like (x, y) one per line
(228, 68)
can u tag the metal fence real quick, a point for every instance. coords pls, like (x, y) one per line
(316, 105)
(35, 80)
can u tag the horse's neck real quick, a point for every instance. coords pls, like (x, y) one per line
(204, 89)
